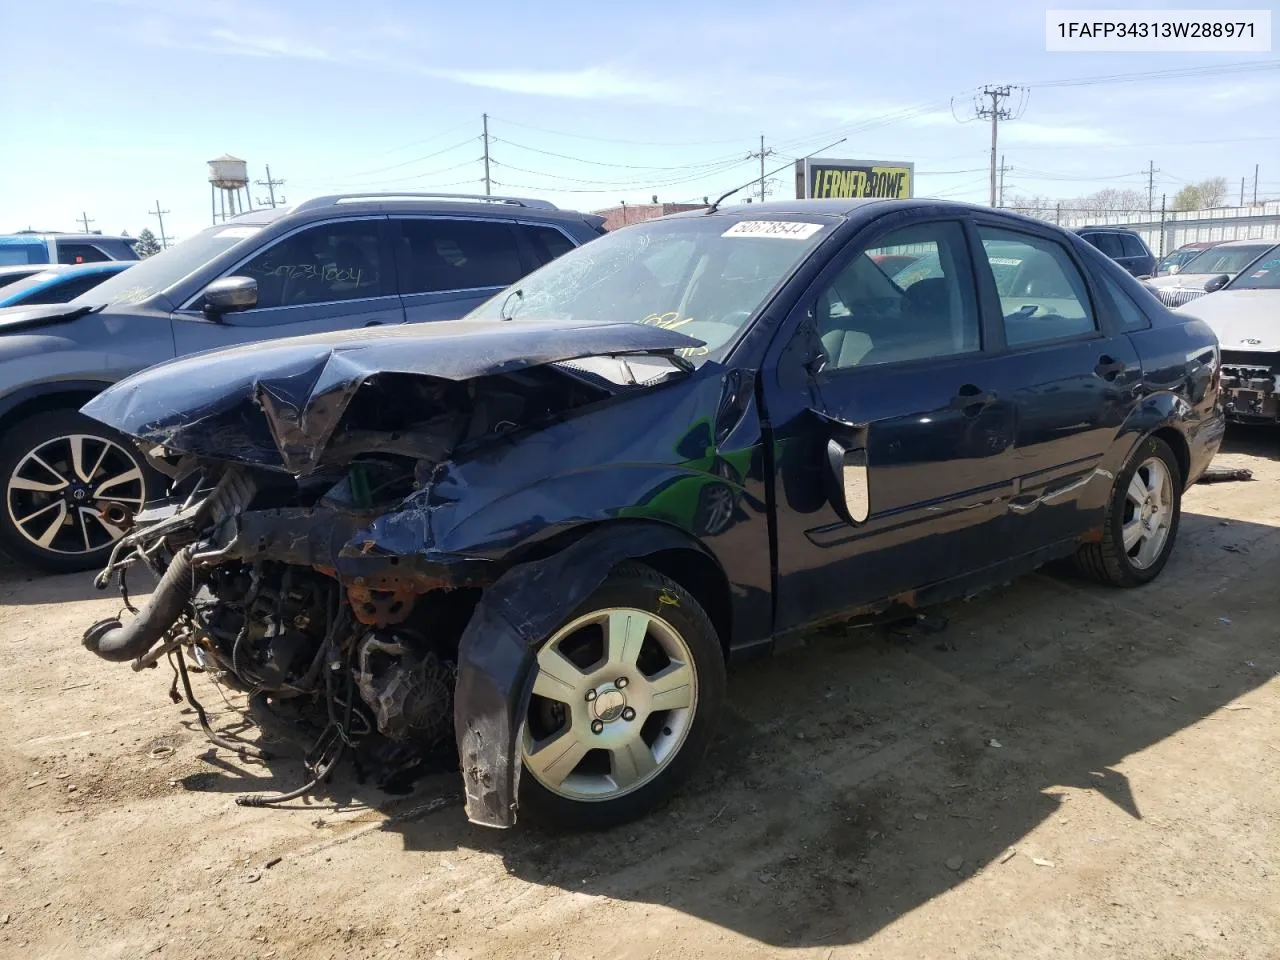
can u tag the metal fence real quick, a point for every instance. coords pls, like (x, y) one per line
(1166, 230)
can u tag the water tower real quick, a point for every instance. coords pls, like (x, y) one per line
(227, 177)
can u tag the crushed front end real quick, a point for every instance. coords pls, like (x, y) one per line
(309, 558)
(1249, 386)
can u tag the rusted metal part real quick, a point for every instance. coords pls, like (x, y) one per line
(1092, 536)
(117, 515)
(381, 608)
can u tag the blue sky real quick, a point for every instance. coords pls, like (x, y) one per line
(116, 104)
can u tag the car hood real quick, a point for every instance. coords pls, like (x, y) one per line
(1179, 281)
(277, 404)
(1241, 319)
(15, 319)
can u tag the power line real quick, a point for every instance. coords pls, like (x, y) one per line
(397, 166)
(636, 143)
(1208, 70)
(995, 113)
(617, 166)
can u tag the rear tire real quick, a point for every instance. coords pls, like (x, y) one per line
(1141, 523)
(57, 471)
(625, 703)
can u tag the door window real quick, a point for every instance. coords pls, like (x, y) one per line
(80, 253)
(547, 242)
(1042, 293)
(459, 255)
(1108, 243)
(323, 264)
(909, 297)
(1131, 245)
(63, 292)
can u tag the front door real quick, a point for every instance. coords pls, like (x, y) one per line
(1075, 372)
(886, 359)
(331, 276)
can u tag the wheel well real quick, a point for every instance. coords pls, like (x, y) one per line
(1178, 444)
(702, 577)
(43, 403)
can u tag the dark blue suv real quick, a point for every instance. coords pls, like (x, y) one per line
(71, 486)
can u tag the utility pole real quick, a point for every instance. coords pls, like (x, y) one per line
(487, 185)
(1151, 186)
(1242, 191)
(995, 113)
(1255, 183)
(1003, 168)
(271, 185)
(159, 214)
(84, 218)
(761, 154)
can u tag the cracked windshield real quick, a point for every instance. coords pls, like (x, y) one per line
(703, 276)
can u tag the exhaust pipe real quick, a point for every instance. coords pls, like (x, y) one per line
(113, 641)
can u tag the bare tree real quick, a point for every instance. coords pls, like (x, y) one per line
(1109, 200)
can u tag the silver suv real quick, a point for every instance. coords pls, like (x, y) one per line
(71, 486)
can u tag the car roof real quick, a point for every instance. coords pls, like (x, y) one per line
(58, 235)
(1247, 243)
(323, 207)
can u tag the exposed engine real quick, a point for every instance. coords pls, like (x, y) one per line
(250, 591)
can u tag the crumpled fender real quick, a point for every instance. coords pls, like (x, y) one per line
(496, 665)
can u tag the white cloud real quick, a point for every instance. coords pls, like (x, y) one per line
(231, 41)
(589, 83)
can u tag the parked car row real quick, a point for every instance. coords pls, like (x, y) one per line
(1209, 270)
(530, 539)
(33, 247)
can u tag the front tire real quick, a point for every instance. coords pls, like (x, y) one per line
(1141, 521)
(624, 705)
(61, 471)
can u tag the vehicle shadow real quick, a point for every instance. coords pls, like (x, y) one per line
(1252, 440)
(876, 768)
(22, 586)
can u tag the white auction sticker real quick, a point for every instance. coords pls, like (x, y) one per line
(237, 232)
(780, 229)
(1200, 31)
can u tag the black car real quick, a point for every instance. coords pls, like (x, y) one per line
(335, 262)
(1125, 247)
(539, 533)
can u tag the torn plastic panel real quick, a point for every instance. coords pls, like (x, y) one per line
(278, 404)
(496, 654)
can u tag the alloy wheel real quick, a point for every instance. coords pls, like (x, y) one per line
(74, 494)
(613, 702)
(1148, 513)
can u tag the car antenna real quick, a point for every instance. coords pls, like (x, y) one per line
(725, 196)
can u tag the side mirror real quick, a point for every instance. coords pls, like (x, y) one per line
(229, 294)
(1216, 283)
(849, 472)
(1174, 269)
(847, 481)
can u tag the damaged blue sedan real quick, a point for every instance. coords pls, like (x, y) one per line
(526, 544)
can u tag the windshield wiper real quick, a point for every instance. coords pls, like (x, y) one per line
(519, 295)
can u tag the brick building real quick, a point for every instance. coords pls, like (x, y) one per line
(626, 213)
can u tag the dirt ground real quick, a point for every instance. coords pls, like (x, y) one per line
(1061, 770)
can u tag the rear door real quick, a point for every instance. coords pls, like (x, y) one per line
(1073, 372)
(450, 265)
(893, 370)
(328, 276)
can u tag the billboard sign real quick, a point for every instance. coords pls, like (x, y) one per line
(850, 179)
